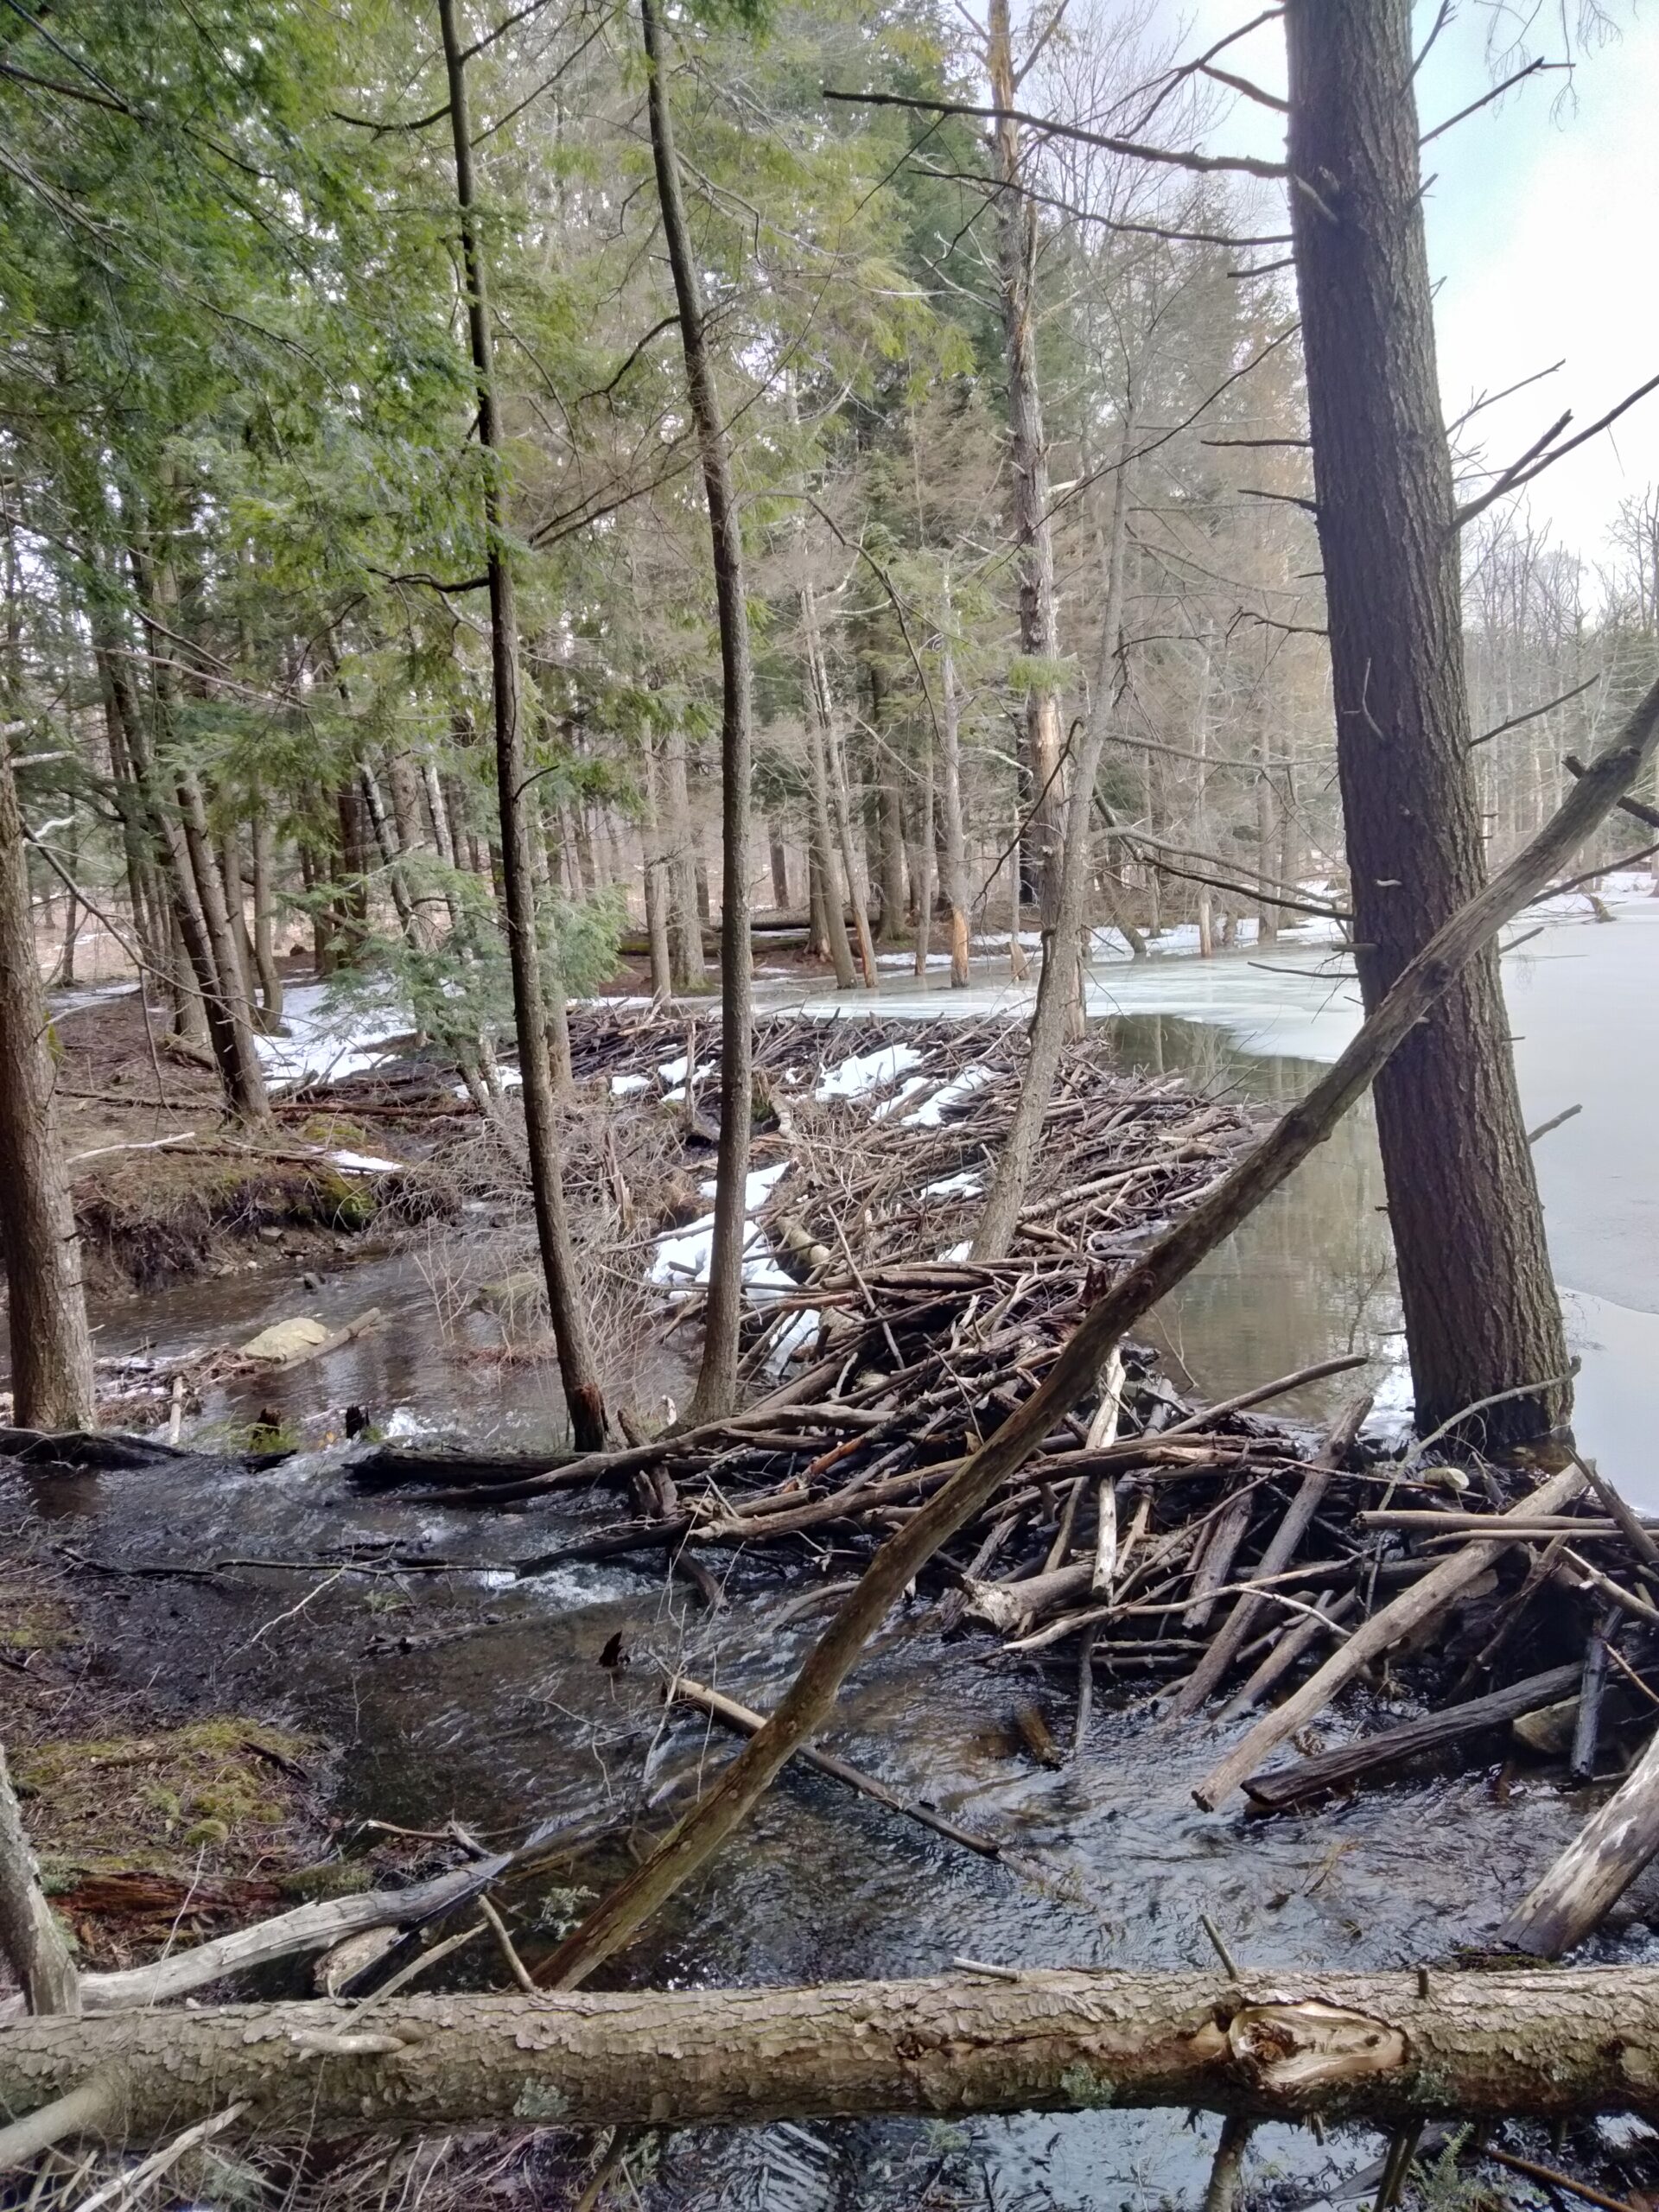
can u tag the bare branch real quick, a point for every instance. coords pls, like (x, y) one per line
(1511, 481)
(1532, 715)
(1203, 164)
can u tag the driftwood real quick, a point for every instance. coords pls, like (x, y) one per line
(1390, 2048)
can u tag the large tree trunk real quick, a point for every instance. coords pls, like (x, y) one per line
(1482, 1315)
(577, 1370)
(1388, 2048)
(1016, 241)
(46, 1309)
(716, 1390)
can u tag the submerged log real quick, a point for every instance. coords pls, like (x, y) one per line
(1385, 2047)
(1313, 1777)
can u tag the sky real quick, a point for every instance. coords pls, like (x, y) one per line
(1540, 234)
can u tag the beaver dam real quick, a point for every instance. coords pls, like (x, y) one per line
(1201, 1690)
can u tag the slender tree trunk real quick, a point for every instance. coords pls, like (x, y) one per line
(684, 924)
(778, 855)
(1057, 984)
(1481, 1310)
(46, 1309)
(264, 917)
(248, 1101)
(1267, 834)
(31, 1941)
(956, 851)
(236, 898)
(386, 845)
(1016, 239)
(66, 976)
(716, 1390)
(577, 1365)
(921, 866)
(657, 883)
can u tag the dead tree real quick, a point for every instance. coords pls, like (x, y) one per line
(1016, 247)
(1482, 1315)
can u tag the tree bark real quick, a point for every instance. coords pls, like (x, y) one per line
(247, 1097)
(45, 1308)
(657, 900)
(716, 1390)
(685, 930)
(1481, 1310)
(265, 915)
(1016, 239)
(30, 1939)
(577, 1370)
(1281, 2045)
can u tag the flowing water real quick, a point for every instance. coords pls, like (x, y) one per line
(503, 1701)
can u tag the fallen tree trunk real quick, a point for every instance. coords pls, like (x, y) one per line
(1381, 2046)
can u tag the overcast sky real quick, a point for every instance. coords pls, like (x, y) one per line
(1541, 231)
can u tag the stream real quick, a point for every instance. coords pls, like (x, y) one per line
(502, 1701)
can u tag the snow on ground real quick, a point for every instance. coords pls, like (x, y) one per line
(682, 1259)
(363, 1163)
(865, 1072)
(625, 1086)
(326, 1038)
(963, 1185)
(932, 1110)
(907, 1090)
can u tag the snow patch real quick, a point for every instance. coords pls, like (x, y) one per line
(963, 1185)
(865, 1072)
(929, 1114)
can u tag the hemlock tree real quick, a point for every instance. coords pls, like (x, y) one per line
(1481, 1310)
(51, 1350)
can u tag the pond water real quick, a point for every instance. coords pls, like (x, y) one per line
(1312, 1273)
(501, 1701)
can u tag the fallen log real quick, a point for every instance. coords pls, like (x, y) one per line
(1383, 2047)
(1313, 1777)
